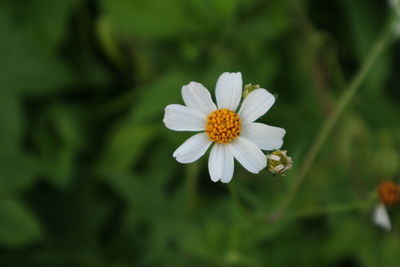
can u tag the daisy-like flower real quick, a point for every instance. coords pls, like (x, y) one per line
(233, 134)
(389, 195)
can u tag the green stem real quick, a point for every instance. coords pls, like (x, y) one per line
(336, 208)
(326, 129)
(192, 174)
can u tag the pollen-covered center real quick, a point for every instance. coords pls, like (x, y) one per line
(223, 125)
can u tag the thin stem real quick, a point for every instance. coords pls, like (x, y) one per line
(192, 174)
(336, 208)
(326, 129)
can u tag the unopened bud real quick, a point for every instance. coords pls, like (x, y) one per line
(248, 88)
(279, 162)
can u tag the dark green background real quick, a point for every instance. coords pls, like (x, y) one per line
(87, 176)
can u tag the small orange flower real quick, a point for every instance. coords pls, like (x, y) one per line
(389, 193)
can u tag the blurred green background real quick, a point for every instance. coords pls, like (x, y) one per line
(87, 176)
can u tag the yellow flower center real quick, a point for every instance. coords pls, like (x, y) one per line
(223, 125)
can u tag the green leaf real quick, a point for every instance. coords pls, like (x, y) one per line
(18, 171)
(50, 19)
(58, 140)
(18, 226)
(152, 99)
(11, 122)
(24, 66)
(151, 18)
(125, 145)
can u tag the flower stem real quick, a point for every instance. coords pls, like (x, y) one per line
(336, 208)
(192, 174)
(326, 128)
(330, 209)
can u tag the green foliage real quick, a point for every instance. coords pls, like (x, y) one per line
(87, 176)
(19, 227)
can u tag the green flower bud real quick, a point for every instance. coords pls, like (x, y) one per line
(248, 88)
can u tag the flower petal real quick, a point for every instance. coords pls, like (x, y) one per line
(229, 90)
(221, 163)
(196, 96)
(265, 136)
(256, 104)
(192, 149)
(181, 118)
(381, 217)
(248, 154)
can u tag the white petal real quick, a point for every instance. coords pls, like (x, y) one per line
(381, 217)
(273, 157)
(196, 96)
(248, 154)
(192, 149)
(265, 136)
(220, 163)
(181, 118)
(256, 104)
(229, 90)
(278, 168)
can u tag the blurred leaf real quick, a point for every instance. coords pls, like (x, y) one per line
(11, 122)
(18, 171)
(274, 20)
(362, 18)
(153, 18)
(153, 98)
(225, 8)
(58, 142)
(125, 145)
(24, 67)
(18, 226)
(108, 40)
(49, 17)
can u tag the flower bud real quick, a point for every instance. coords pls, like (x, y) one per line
(279, 162)
(248, 88)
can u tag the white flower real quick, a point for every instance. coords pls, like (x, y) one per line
(381, 218)
(235, 135)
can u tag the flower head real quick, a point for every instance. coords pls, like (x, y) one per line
(233, 134)
(389, 195)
